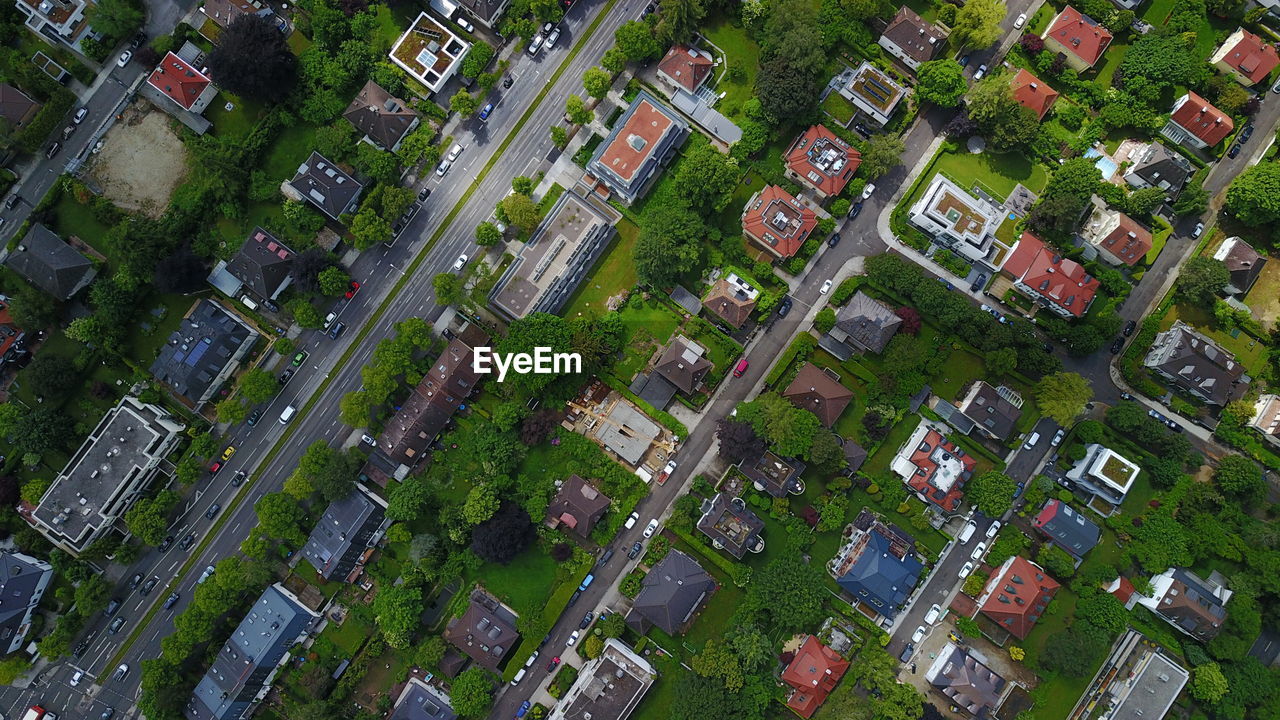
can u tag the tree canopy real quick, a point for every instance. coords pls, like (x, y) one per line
(1254, 196)
(941, 82)
(1062, 396)
(252, 60)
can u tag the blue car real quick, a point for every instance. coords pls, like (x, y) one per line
(484, 112)
(524, 708)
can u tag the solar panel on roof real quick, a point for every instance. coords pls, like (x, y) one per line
(197, 352)
(879, 86)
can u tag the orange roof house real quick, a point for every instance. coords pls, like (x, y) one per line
(642, 142)
(777, 222)
(1057, 282)
(1016, 595)
(1245, 57)
(1195, 122)
(182, 83)
(1032, 93)
(685, 68)
(1078, 37)
(822, 162)
(812, 675)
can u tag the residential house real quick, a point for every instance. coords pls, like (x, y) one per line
(242, 672)
(1016, 595)
(485, 12)
(873, 91)
(877, 565)
(934, 467)
(23, 580)
(203, 352)
(1243, 263)
(486, 632)
(559, 254)
(1157, 165)
(822, 162)
(731, 525)
(427, 412)
(958, 220)
(1060, 284)
(326, 186)
(225, 12)
(1139, 681)
(629, 435)
(994, 410)
(16, 107)
(731, 299)
(1122, 589)
(1196, 123)
(1117, 238)
(1193, 363)
(683, 364)
(1032, 93)
(51, 264)
(771, 474)
(854, 455)
(642, 142)
(776, 222)
(384, 119)
(1195, 606)
(685, 68)
(421, 701)
(430, 52)
(57, 20)
(1067, 528)
(110, 470)
(262, 267)
(1245, 57)
(670, 595)
(577, 507)
(349, 528)
(819, 391)
(1104, 473)
(911, 39)
(813, 673)
(609, 686)
(184, 84)
(1078, 38)
(967, 681)
(865, 324)
(1266, 417)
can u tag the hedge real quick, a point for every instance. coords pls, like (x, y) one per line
(739, 573)
(802, 347)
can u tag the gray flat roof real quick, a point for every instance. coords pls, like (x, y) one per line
(628, 432)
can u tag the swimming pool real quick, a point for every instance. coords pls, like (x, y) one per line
(1103, 163)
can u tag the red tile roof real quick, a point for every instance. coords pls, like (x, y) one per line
(178, 79)
(1195, 115)
(1080, 35)
(819, 393)
(1122, 588)
(1251, 57)
(824, 161)
(947, 495)
(777, 220)
(814, 673)
(1129, 242)
(1017, 595)
(636, 140)
(686, 67)
(1032, 93)
(1060, 281)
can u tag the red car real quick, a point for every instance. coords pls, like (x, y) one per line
(554, 662)
(214, 468)
(351, 291)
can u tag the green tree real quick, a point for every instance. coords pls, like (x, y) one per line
(559, 136)
(597, 80)
(1105, 611)
(334, 281)
(1062, 396)
(825, 320)
(1208, 684)
(369, 228)
(280, 517)
(717, 661)
(978, 23)
(941, 82)
(232, 410)
(1056, 561)
(258, 385)
(1240, 477)
(464, 103)
(614, 60)
(471, 693)
(51, 376)
(448, 289)
(788, 594)
(328, 470)
(396, 609)
(1254, 196)
(117, 19)
(148, 519)
(1001, 361)
(678, 20)
(523, 185)
(1004, 122)
(788, 428)
(880, 154)
(669, 245)
(1193, 200)
(92, 595)
(481, 503)
(636, 42)
(487, 234)
(477, 59)
(355, 407)
(32, 309)
(521, 211)
(575, 108)
(1201, 279)
(706, 178)
(992, 493)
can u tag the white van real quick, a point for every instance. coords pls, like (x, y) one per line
(248, 302)
(969, 529)
(288, 414)
(519, 676)
(644, 475)
(1031, 441)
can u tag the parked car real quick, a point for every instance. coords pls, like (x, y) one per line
(982, 70)
(968, 568)
(454, 152)
(784, 306)
(125, 57)
(826, 286)
(552, 38)
(286, 376)
(635, 550)
(669, 468)
(934, 613)
(978, 551)
(855, 209)
(605, 558)
(651, 528)
(535, 45)
(631, 520)
(918, 635)
(465, 24)
(443, 167)
(573, 638)
(1020, 21)
(1199, 229)
(423, 194)
(834, 240)
(907, 652)
(336, 330)
(574, 597)
(586, 620)
(978, 282)
(524, 708)
(553, 663)
(486, 111)
(148, 586)
(1234, 151)
(53, 150)
(1117, 346)
(228, 452)
(1057, 437)
(1129, 327)
(215, 467)
(1246, 133)
(868, 190)
(507, 81)
(352, 289)
(967, 531)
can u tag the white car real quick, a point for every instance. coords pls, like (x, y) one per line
(651, 528)
(967, 532)
(825, 287)
(1057, 437)
(993, 529)
(982, 70)
(76, 678)
(1022, 20)
(454, 152)
(552, 38)
(968, 568)
(573, 638)
(443, 168)
(535, 45)
(866, 191)
(125, 57)
(918, 635)
(631, 520)
(934, 613)
(461, 262)
(466, 24)
(978, 551)
(1199, 229)
(80, 115)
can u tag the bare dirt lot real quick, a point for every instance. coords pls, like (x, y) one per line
(141, 162)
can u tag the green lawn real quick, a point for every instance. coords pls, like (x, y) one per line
(1159, 237)
(998, 174)
(961, 368)
(525, 582)
(837, 107)
(741, 52)
(1111, 60)
(877, 464)
(613, 273)
(648, 326)
(236, 122)
(1056, 695)
(1040, 21)
(72, 218)
(656, 704)
(1249, 351)
(1007, 233)
(291, 148)
(234, 232)
(144, 344)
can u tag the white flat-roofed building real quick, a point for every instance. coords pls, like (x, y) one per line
(430, 52)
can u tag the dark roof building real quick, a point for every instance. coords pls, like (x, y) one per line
(912, 39)
(1139, 681)
(1067, 528)
(1195, 606)
(242, 672)
(812, 674)
(51, 264)
(732, 300)
(1243, 263)
(731, 525)
(994, 410)
(420, 701)
(262, 265)
(816, 390)
(821, 161)
(383, 118)
(16, 107)
(865, 324)
(23, 580)
(1157, 165)
(483, 634)
(770, 473)
(203, 352)
(224, 12)
(877, 566)
(966, 681)
(1016, 595)
(643, 140)
(1194, 363)
(854, 455)
(349, 527)
(609, 686)
(577, 507)
(683, 364)
(327, 186)
(486, 12)
(670, 595)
